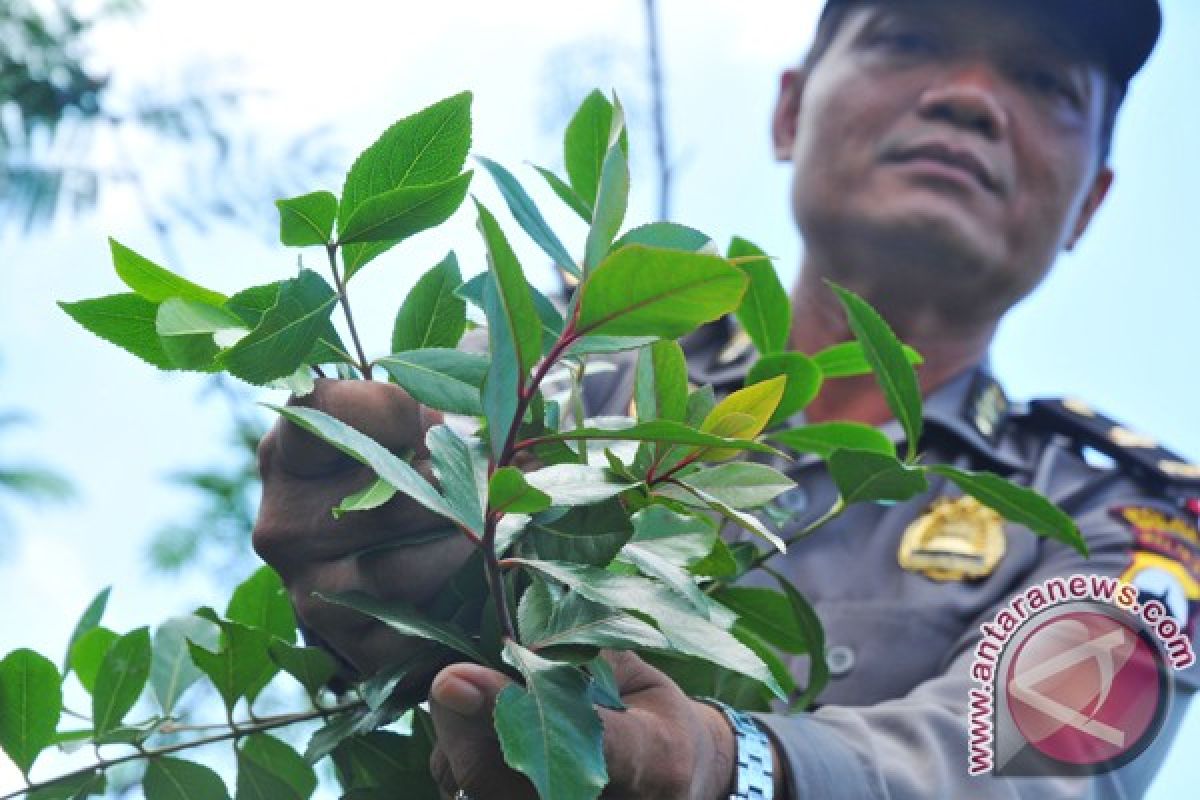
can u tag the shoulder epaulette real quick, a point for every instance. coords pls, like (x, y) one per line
(1141, 455)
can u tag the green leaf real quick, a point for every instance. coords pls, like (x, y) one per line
(382, 761)
(88, 620)
(326, 738)
(423, 148)
(738, 485)
(1017, 504)
(519, 316)
(803, 381)
(72, 787)
(240, 668)
(256, 782)
(154, 283)
(701, 402)
(251, 304)
(640, 291)
(566, 194)
(862, 476)
(551, 321)
(547, 621)
(814, 635)
(589, 534)
(508, 493)
(766, 312)
(371, 497)
(30, 705)
(681, 539)
(747, 521)
(720, 563)
(126, 320)
(455, 472)
(663, 431)
(826, 437)
(686, 631)
(404, 618)
(122, 675)
(428, 147)
(312, 666)
(653, 565)
(275, 766)
(175, 779)
(603, 689)
(612, 196)
(667, 235)
(549, 730)
(743, 414)
(262, 602)
(887, 359)
(287, 332)
(848, 359)
(393, 216)
(769, 656)
(576, 484)
(178, 316)
(195, 353)
(432, 315)
(307, 219)
(88, 653)
(768, 614)
(171, 668)
(525, 211)
(448, 380)
(362, 448)
(660, 386)
(585, 146)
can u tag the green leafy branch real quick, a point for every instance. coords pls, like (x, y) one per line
(588, 533)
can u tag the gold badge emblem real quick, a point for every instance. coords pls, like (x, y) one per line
(955, 540)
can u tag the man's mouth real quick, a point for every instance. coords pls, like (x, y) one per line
(942, 156)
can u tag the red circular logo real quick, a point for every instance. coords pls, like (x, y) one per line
(1085, 688)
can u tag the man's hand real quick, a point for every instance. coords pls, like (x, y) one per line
(664, 746)
(376, 551)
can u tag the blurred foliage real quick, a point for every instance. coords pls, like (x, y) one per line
(216, 535)
(59, 113)
(68, 132)
(26, 482)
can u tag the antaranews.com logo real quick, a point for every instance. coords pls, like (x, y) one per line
(1074, 678)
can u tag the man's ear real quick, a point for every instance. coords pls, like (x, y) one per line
(787, 107)
(1095, 197)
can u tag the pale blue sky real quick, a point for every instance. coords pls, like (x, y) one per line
(1111, 325)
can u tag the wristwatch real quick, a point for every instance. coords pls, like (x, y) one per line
(755, 778)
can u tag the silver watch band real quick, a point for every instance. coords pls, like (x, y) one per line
(755, 778)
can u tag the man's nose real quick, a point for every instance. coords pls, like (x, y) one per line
(967, 97)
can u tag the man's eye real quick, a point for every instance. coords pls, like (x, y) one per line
(1047, 82)
(907, 42)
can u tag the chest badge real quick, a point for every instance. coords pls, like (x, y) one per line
(957, 539)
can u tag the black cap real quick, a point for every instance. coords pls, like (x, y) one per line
(1123, 32)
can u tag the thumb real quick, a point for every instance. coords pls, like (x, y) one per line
(461, 701)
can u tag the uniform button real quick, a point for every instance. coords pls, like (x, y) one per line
(840, 659)
(794, 500)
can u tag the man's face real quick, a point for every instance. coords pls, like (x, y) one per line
(957, 140)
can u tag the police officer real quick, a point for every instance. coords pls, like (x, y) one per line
(943, 153)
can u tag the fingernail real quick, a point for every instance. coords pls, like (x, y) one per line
(458, 696)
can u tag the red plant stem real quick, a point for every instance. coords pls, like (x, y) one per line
(652, 479)
(527, 392)
(525, 395)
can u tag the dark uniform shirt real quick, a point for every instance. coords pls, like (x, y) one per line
(893, 722)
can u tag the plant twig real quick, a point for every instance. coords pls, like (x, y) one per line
(344, 299)
(264, 724)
